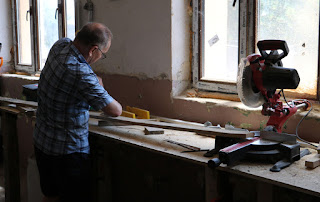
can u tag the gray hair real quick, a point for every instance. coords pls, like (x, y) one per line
(94, 34)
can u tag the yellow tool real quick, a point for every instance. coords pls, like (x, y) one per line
(128, 114)
(137, 112)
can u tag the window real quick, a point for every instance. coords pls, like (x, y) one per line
(227, 30)
(38, 24)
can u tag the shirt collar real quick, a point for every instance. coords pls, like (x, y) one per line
(80, 56)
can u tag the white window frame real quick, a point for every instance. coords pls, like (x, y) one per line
(246, 27)
(247, 45)
(35, 66)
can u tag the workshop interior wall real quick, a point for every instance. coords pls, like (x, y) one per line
(149, 64)
(6, 34)
(151, 39)
(141, 44)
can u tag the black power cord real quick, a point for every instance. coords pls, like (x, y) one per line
(298, 125)
(297, 128)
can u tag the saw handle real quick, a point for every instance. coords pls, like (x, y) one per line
(273, 45)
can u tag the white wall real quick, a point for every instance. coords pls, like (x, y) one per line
(6, 32)
(181, 13)
(142, 37)
(151, 38)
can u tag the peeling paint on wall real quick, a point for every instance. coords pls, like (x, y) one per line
(246, 125)
(243, 112)
(229, 123)
(262, 125)
(162, 76)
(210, 106)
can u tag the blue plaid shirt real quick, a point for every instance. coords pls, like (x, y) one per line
(67, 88)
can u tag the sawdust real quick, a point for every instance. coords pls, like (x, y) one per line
(296, 176)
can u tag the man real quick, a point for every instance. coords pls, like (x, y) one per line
(67, 88)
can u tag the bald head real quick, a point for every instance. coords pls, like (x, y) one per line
(94, 34)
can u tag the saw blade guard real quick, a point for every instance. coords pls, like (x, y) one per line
(245, 86)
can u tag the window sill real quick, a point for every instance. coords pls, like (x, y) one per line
(232, 101)
(26, 77)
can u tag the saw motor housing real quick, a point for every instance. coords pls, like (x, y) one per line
(259, 76)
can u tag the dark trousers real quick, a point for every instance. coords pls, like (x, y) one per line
(66, 176)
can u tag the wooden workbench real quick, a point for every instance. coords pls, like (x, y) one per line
(296, 180)
(130, 165)
(139, 167)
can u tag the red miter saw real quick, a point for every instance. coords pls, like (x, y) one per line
(259, 77)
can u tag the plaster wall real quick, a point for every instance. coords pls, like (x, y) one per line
(151, 39)
(6, 33)
(149, 64)
(141, 44)
(153, 96)
(181, 36)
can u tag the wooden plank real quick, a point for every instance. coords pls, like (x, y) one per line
(168, 120)
(197, 129)
(9, 110)
(18, 102)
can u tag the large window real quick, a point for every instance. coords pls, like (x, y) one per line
(38, 24)
(227, 30)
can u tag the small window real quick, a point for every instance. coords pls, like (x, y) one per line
(296, 22)
(23, 33)
(39, 24)
(70, 19)
(48, 30)
(220, 41)
(227, 30)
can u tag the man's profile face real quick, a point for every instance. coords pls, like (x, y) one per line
(98, 53)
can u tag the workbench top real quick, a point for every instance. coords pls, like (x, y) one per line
(296, 176)
(135, 135)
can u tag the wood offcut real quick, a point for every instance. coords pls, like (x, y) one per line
(153, 131)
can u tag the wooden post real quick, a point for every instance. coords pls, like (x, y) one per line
(10, 154)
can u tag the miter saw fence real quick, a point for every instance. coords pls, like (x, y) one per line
(259, 77)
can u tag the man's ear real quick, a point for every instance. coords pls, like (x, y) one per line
(93, 48)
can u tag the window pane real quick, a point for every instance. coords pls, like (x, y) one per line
(296, 22)
(70, 13)
(23, 33)
(48, 28)
(220, 55)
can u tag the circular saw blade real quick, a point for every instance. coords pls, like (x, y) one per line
(245, 86)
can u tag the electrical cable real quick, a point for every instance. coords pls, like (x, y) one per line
(284, 97)
(297, 135)
(298, 125)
